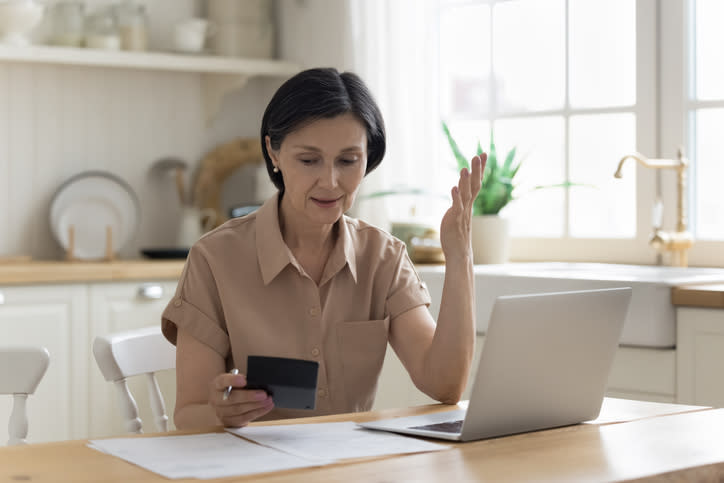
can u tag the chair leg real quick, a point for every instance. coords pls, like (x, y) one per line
(157, 405)
(18, 425)
(128, 407)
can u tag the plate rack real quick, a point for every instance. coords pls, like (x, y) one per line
(109, 255)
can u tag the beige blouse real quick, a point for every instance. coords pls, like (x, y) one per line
(243, 293)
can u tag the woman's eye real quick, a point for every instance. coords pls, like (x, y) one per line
(348, 161)
(307, 160)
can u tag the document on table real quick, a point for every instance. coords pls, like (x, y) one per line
(333, 440)
(212, 455)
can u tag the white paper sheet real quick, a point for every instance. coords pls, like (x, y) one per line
(212, 455)
(334, 441)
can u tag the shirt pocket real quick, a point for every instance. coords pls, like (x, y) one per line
(362, 347)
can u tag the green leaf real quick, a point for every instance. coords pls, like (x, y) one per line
(462, 162)
(498, 178)
(508, 161)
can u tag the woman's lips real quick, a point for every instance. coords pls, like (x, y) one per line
(326, 202)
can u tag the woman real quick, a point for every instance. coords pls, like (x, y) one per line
(299, 279)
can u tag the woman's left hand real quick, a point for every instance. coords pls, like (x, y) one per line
(455, 227)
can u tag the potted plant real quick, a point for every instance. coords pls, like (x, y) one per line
(490, 231)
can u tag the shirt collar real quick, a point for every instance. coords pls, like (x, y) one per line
(342, 254)
(272, 252)
(274, 255)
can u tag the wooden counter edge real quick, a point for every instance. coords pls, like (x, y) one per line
(709, 296)
(43, 272)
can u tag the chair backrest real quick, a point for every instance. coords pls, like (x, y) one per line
(132, 353)
(21, 369)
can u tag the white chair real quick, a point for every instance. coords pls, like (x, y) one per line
(21, 369)
(131, 353)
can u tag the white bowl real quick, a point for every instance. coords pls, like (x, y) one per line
(17, 19)
(190, 35)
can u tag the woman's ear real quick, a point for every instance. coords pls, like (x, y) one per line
(272, 153)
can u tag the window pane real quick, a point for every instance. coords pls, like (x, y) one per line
(602, 53)
(541, 146)
(709, 174)
(608, 208)
(529, 54)
(465, 61)
(709, 40)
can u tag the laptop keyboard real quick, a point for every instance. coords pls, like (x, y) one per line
(445, 427)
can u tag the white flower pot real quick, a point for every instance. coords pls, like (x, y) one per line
(490, 239)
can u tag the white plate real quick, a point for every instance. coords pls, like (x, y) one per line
(90, 202)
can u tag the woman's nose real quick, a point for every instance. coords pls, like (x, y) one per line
(329, 177)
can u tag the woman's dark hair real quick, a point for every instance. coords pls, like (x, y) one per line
(317, 94)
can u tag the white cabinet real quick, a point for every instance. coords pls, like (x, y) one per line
(645, 374)
(54, 317)
(700, 364)
(73, 400)
(114, 307)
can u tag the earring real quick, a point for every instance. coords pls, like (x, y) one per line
(276, 170)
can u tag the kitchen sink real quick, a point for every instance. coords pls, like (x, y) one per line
(651, 319)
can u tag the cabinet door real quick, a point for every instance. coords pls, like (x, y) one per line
(700, 359)
(643, 373)
(53, 317)
(116, 307)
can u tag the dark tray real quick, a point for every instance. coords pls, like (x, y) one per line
(165, 253)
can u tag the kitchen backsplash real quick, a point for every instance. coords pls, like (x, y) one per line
(57, 121)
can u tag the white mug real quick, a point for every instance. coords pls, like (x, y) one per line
(190, 35)
(194, 223)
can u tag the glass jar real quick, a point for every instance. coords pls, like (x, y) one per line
(66, 24)
(132, 25)
(101, 30)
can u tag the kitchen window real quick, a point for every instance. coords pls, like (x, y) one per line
(704, 115)
(575, 85)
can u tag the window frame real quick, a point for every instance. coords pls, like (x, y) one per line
(660, 110)
(675, 80)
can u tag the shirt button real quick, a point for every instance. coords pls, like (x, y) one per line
(314, 311)
(322, 393)
(315, 352)
(177, 303)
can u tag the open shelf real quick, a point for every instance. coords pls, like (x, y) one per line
(147, 60)
(220, 74)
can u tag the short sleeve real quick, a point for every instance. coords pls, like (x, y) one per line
(407, 290)
(196, 306)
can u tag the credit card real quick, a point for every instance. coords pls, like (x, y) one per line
(292, 383)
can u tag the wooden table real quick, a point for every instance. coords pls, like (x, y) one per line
(658, 442)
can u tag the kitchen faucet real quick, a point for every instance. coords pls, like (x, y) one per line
(679, 241)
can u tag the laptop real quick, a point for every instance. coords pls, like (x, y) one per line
(545, 363)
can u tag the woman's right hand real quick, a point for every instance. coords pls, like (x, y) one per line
(242, 406)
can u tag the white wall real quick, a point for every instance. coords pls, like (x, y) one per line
(57, 121)
(314, 32)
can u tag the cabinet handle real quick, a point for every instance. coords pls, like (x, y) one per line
(150, 291)
(2, 298)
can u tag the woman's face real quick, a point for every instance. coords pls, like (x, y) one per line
(323, 164)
